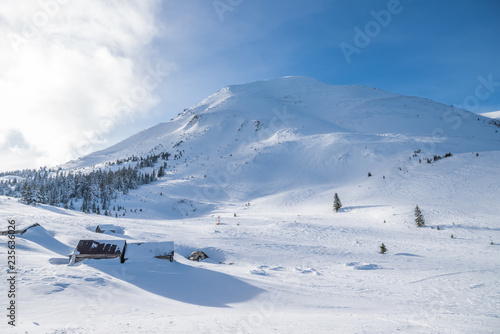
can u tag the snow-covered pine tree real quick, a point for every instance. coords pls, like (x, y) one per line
(419, 218)
(26, 193)
(36, 196)
(336, 203)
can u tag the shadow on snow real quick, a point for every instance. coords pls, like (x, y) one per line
(351, 208)
(180, 282)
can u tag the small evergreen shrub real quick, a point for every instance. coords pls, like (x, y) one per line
(336, 203)
(419, 218)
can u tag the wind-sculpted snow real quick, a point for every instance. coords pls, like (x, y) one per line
(40, 236)
(181, 282)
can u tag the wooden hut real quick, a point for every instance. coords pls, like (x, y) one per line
(21, 232)
(99, 249)
(109, 228)
(198, 256)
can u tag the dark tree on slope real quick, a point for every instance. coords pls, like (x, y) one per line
(336, 203)
(419, 218)
(161, 172)
(26, 193)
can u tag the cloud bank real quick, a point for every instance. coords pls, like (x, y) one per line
(71, 71)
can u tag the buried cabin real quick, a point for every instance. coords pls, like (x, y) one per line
(198, 256)
(111, 249)
(21, 232)
(99, 249)
(160, 250)
(109, 229)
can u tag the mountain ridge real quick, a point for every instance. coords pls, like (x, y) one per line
(348, 108)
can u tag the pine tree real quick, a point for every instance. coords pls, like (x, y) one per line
(35, 196)
(42, 195)
(336, 203)
(419, 218)
(26, 193)
(93, 191)
(161, 172)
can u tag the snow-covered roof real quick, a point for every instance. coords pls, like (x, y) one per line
(111, 228)
(94, 247)
(149, 249)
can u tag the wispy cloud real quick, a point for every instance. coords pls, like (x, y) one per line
(71, 70)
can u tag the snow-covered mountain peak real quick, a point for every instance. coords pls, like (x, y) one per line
(292, 90)
(317, 108)
(299, 121)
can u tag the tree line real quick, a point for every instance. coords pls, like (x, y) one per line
(93, 191)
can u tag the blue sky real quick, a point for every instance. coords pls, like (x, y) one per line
(95, 72)
(433, 49)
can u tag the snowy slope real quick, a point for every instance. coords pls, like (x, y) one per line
(267, 158)
(296, 107)
(253, 140)
(493, 114)
(288, 263)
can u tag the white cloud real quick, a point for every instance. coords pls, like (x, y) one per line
(16, 151)
(71, 70)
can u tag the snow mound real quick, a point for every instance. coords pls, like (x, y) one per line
(259, 272)
(215, 255)
(363, 266)
(141, 250)
(310, 271)
(45, 239)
